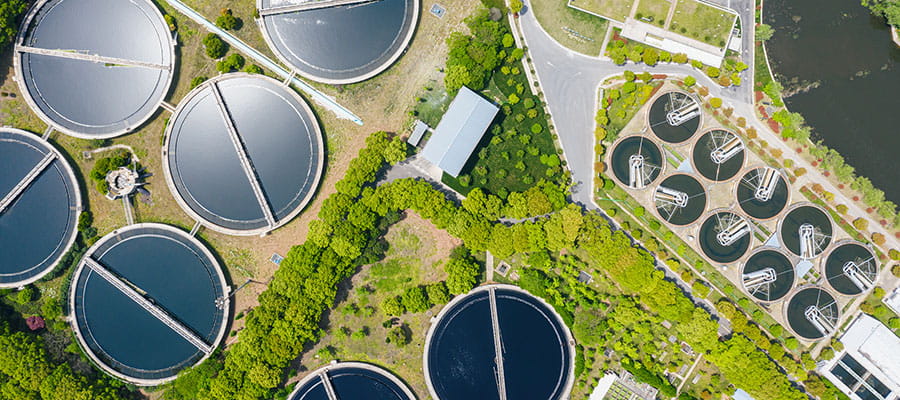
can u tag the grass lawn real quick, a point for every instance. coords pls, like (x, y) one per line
(613, 9)
(415, 257)
(703, 22)
(558, 19)
(653, 11)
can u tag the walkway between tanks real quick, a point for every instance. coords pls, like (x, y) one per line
(96, 58)
(311, 5)
(498, 344)
(326, 383)
(26, 181)
(241, 150)
(142, 301)
(316, 95)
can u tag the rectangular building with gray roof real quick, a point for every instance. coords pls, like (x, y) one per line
(459, 131)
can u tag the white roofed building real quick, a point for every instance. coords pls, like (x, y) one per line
(869, 366)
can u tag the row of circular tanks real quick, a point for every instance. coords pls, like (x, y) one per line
(762, 194)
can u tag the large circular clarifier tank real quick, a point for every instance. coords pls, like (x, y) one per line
(351, 381)
(815, 225)
(675, 117)
(339, 43)
(851, 268)
(94, 68)
(812, 313)
(39, 206)
(537, 358)
(762, 193)
(638, 156)
(718, 155)
(729, 246)
(680, 199)
(148, 301)
(768, 275)
(243, 153)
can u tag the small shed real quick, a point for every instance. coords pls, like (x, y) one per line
(459, 131)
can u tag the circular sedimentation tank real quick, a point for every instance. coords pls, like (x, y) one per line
(851, 268)
(339, 42)
(148, 301)
(349, 381)
(537, 353)
(718, 155)
(725, 236)
(675, 117)
(636, 161)
(812, 313)
(94, 68)
(243, 154)
(806, 230)
(768, 275)
(762, 193)
(680, 199)
(39, 206)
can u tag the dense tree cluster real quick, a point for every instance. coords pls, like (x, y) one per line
(10, 11)
(889, 9)
(28, 373)
(474, 57)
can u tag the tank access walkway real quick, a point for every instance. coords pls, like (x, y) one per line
(132, 293)
(310, 5)
(26, 181)
(77, 55)
(498, 344)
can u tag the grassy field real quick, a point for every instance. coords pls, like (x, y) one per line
(415, 257)
(558, 19)
(653, 11)
(613, 9)
(703, 22)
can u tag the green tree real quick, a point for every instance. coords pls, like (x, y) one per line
(216, 48)
(233, 62)
(516, 6)
(10, 12)
(415, 300)
(198, 80)
(690, 81)
(889, 9)
(228, 21)
(399, 336)
(392, 306)
(253, 69)
(438, 293)
(462, 271)
(764, 32)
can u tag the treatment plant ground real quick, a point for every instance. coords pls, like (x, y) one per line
(416, 257)
(555, 16)
(375, 101)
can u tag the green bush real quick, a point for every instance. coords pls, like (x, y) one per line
(536, 128)
(233, 62)
(198, 80)
(228, 22)
(392, 306)
(216, 48)
(399, 336)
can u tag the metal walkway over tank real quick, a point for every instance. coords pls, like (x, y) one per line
(498, 345)
(95, 58)
(326, 383)
(310, 5)
(26, 181)
(241, 150)
(132, 293)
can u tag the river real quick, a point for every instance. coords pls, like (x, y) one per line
(849, 53)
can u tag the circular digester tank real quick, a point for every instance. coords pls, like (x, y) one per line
(806, 230)
(243, 154)
(94, 68)
(851, 268)
(460, 351)
(148, 301)
(338, 42)
(725, 236)
(636, 161)
(39, 206)
(768, 275)
(680, 199)
(718, 155)
(351, 381)
(675, 117)
(812, 313)
(762, 193)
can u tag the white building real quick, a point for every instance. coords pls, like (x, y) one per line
(869, 366)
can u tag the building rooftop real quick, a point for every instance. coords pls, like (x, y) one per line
(459, 131)
(868, 366)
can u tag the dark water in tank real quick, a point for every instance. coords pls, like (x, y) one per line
(841, 45)
(635, 145)
(757, 208)
(536, 356)
(696, 200)
(790, 226)
(352, 383)
(660, 126)
(797, 307)
(704, 163)
(715, 251)
(341, 42)
(784, 273)
(35, 228)
(834, 266)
